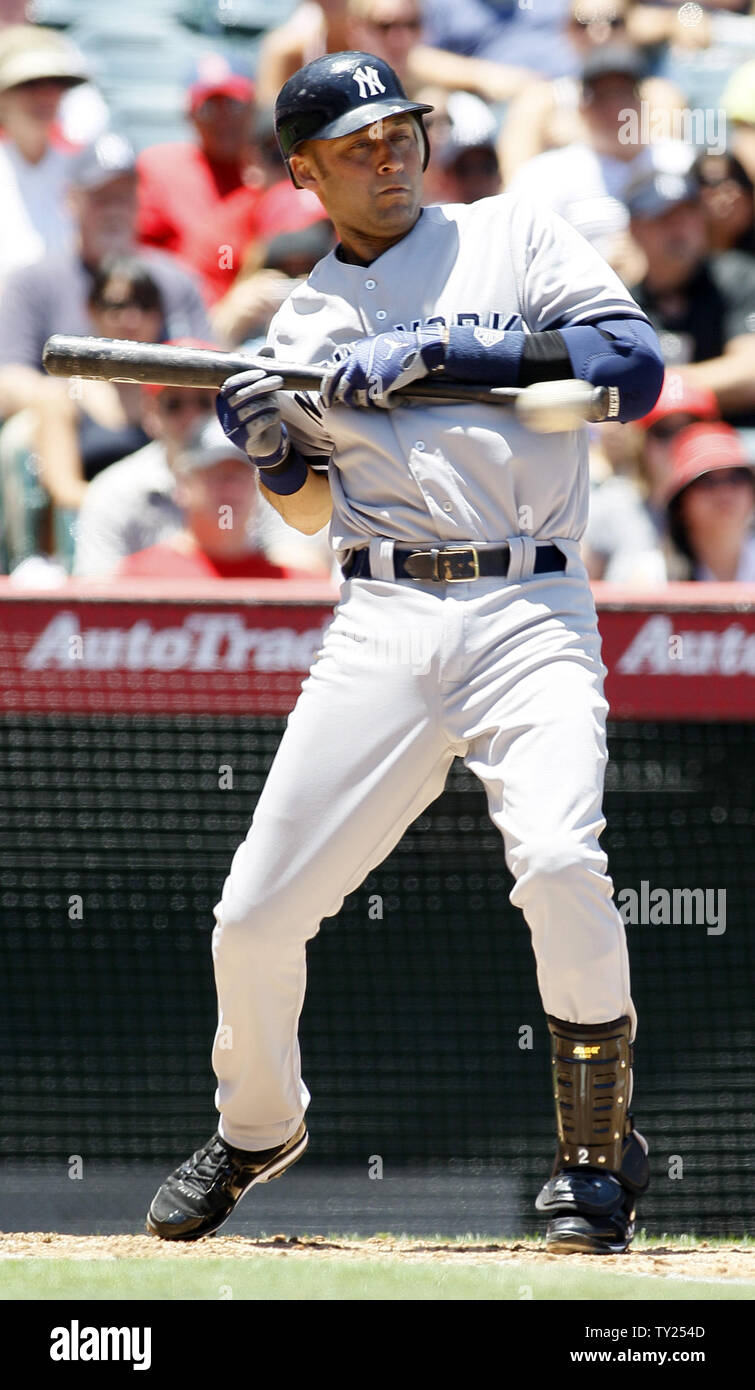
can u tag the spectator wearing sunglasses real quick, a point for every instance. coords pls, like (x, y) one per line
(727, 195)
(627, 528)
(390, 29)
(394, 30)
(710, 500)
(546, 115)
(132, 504)
(179, 181)
(99, 422)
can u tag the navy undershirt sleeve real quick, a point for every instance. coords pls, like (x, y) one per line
(619, 352)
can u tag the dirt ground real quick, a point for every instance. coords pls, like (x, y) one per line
(702, 1260)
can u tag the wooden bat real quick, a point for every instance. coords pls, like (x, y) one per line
(548, 407)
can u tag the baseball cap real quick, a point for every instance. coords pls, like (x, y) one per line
(153, 388)
(110, 157)
(207, 444)
(607, 59)
(680, 397)
(472, 126)
(738, 99)
(660, 191)
(29, 54)
(700, 449)
(214, 75)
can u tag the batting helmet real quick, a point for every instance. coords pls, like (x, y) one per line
(336, 95)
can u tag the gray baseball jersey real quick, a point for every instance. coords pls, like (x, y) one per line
(504, 673)
(448, 473)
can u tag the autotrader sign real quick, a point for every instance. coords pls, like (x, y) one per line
(168, 656)
(159, 658)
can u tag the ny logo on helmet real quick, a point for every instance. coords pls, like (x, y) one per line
(369, 82)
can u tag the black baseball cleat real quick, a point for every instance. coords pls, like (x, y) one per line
(200, 1195)
(592, 1211)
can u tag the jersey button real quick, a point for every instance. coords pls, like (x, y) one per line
(381, 314)
(447, 507)
(419, 445)
(370, 284)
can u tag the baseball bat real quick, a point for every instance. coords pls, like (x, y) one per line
(557, 405)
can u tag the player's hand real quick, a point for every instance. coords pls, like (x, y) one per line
(377, 367)
(249, 412)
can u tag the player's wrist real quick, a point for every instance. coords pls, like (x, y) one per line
(485, 355)
(284, 472)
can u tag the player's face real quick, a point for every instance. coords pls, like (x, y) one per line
(370, 182)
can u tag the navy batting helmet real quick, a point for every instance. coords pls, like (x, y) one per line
(338, 94)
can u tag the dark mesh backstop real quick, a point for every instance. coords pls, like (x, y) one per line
(419, 991)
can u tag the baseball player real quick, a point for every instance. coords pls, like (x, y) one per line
(465, 628)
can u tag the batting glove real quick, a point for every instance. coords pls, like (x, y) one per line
(250, 415)
(379, 366)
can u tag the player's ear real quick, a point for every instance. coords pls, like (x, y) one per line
(305, 169)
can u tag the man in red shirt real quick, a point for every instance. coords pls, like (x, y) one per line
(224, 239)
(180, 183)
(216, 489)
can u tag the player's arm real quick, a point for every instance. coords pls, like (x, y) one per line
(619, 352)
(250, 413)
(309, 508)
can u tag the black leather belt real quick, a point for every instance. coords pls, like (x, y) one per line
(453, 564)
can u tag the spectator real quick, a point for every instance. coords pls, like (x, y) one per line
(82, 432)
(728, 199)
(587, 182)
(547, 115)
(179, 182)
(711, 505)
(525, 37)
(52, 296)
(131, 505)
(626, 530)
(232, 234)
(738, 102)
(702, 307)
(463, 160)
(245, 312)
(312, 29)
(388, 28)
(217, 494)
(36, 68)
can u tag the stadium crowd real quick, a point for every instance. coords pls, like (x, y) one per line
(144, 197)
